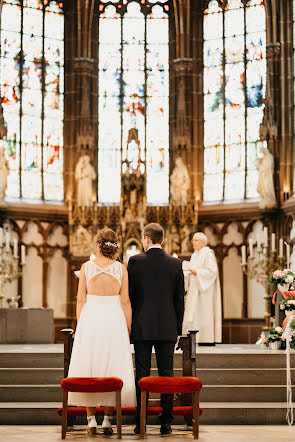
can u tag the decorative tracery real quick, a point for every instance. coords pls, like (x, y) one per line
(133, 93)
(32, 79)
(234, 89)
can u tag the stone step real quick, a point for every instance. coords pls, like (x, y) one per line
(40, 376)
(215, 413)
(240, 376)
(266, 359)
(218, 357)
(14, 376)
(209, 393)
(219, 376)
(29, 360)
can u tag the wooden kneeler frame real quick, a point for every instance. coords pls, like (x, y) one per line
(196, 414)
(64, 424)
(194, 394)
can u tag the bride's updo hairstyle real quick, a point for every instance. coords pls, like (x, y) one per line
(107, 240)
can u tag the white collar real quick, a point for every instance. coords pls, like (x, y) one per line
(154, 247)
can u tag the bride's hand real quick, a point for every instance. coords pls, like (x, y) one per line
(193, 272)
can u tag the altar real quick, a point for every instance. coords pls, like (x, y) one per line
(26, 325)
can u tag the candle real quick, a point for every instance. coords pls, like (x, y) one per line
(288, 255)
(1, 236)
(265, 236)
(251, 247)
(273, 242)
(258, 245)
(7, 241)
(15, 248)
(281, 247)
(243, 255)
(23, 254)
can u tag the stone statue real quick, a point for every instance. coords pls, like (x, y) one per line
(265, 185)
(82, 242)
(4, 172)
(84, 174)
(179, 183)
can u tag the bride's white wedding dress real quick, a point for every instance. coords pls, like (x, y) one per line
(101, 345)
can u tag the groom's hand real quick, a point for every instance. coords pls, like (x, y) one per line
(193, 272)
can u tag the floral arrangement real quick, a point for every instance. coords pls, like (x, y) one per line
(287, 304)
(292, 337)
(272, 335)
(281, 277)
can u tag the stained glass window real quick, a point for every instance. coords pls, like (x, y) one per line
(133, 92)
(234, 88)
(32, 60)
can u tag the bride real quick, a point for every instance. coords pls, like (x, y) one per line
(101, 346)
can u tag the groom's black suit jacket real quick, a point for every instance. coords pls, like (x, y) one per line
(156, 290)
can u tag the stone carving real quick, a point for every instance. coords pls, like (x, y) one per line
(13, 301)
(186, 240)
(84, 174)
(4, 172)
(82, 242)
(265, 185)
(174, 240)
(179, 183)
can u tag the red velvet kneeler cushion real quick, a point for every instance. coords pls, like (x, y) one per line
(170, 385)
(131, 411)
(92, 385)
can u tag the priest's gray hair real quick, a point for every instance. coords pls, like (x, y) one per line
(202, 237)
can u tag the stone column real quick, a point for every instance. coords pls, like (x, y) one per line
(277, 124)
(81, 88)
(182, 91)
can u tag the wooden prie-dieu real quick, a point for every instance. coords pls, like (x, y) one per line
(182, 405)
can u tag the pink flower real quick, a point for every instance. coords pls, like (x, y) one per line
(278, 274)
(284, 336)
(289, 279)
(285, 271)
(278, 329)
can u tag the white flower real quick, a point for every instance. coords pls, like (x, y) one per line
(278, 329)
(282, 306)
(289, 279)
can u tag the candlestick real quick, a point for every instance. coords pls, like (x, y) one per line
(281, 248)
(7, 241)
(251, 247)
(273, 242)
(23, 255)
(243, 255)
(265, 236)
(288, 255)
(15, 248)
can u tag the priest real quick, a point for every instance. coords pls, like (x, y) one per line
(203, 299)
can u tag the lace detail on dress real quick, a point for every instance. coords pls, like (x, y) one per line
(115, 270)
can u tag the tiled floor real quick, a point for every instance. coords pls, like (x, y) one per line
(208, 433)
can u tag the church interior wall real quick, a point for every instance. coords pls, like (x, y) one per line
(32, 283)
(48, 280)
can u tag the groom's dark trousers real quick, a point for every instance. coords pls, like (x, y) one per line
(156, 290)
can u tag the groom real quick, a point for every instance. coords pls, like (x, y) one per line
(156, 290)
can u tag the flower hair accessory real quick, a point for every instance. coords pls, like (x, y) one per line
(112, 244)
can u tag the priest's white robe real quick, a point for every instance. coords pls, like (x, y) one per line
(203, 300)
